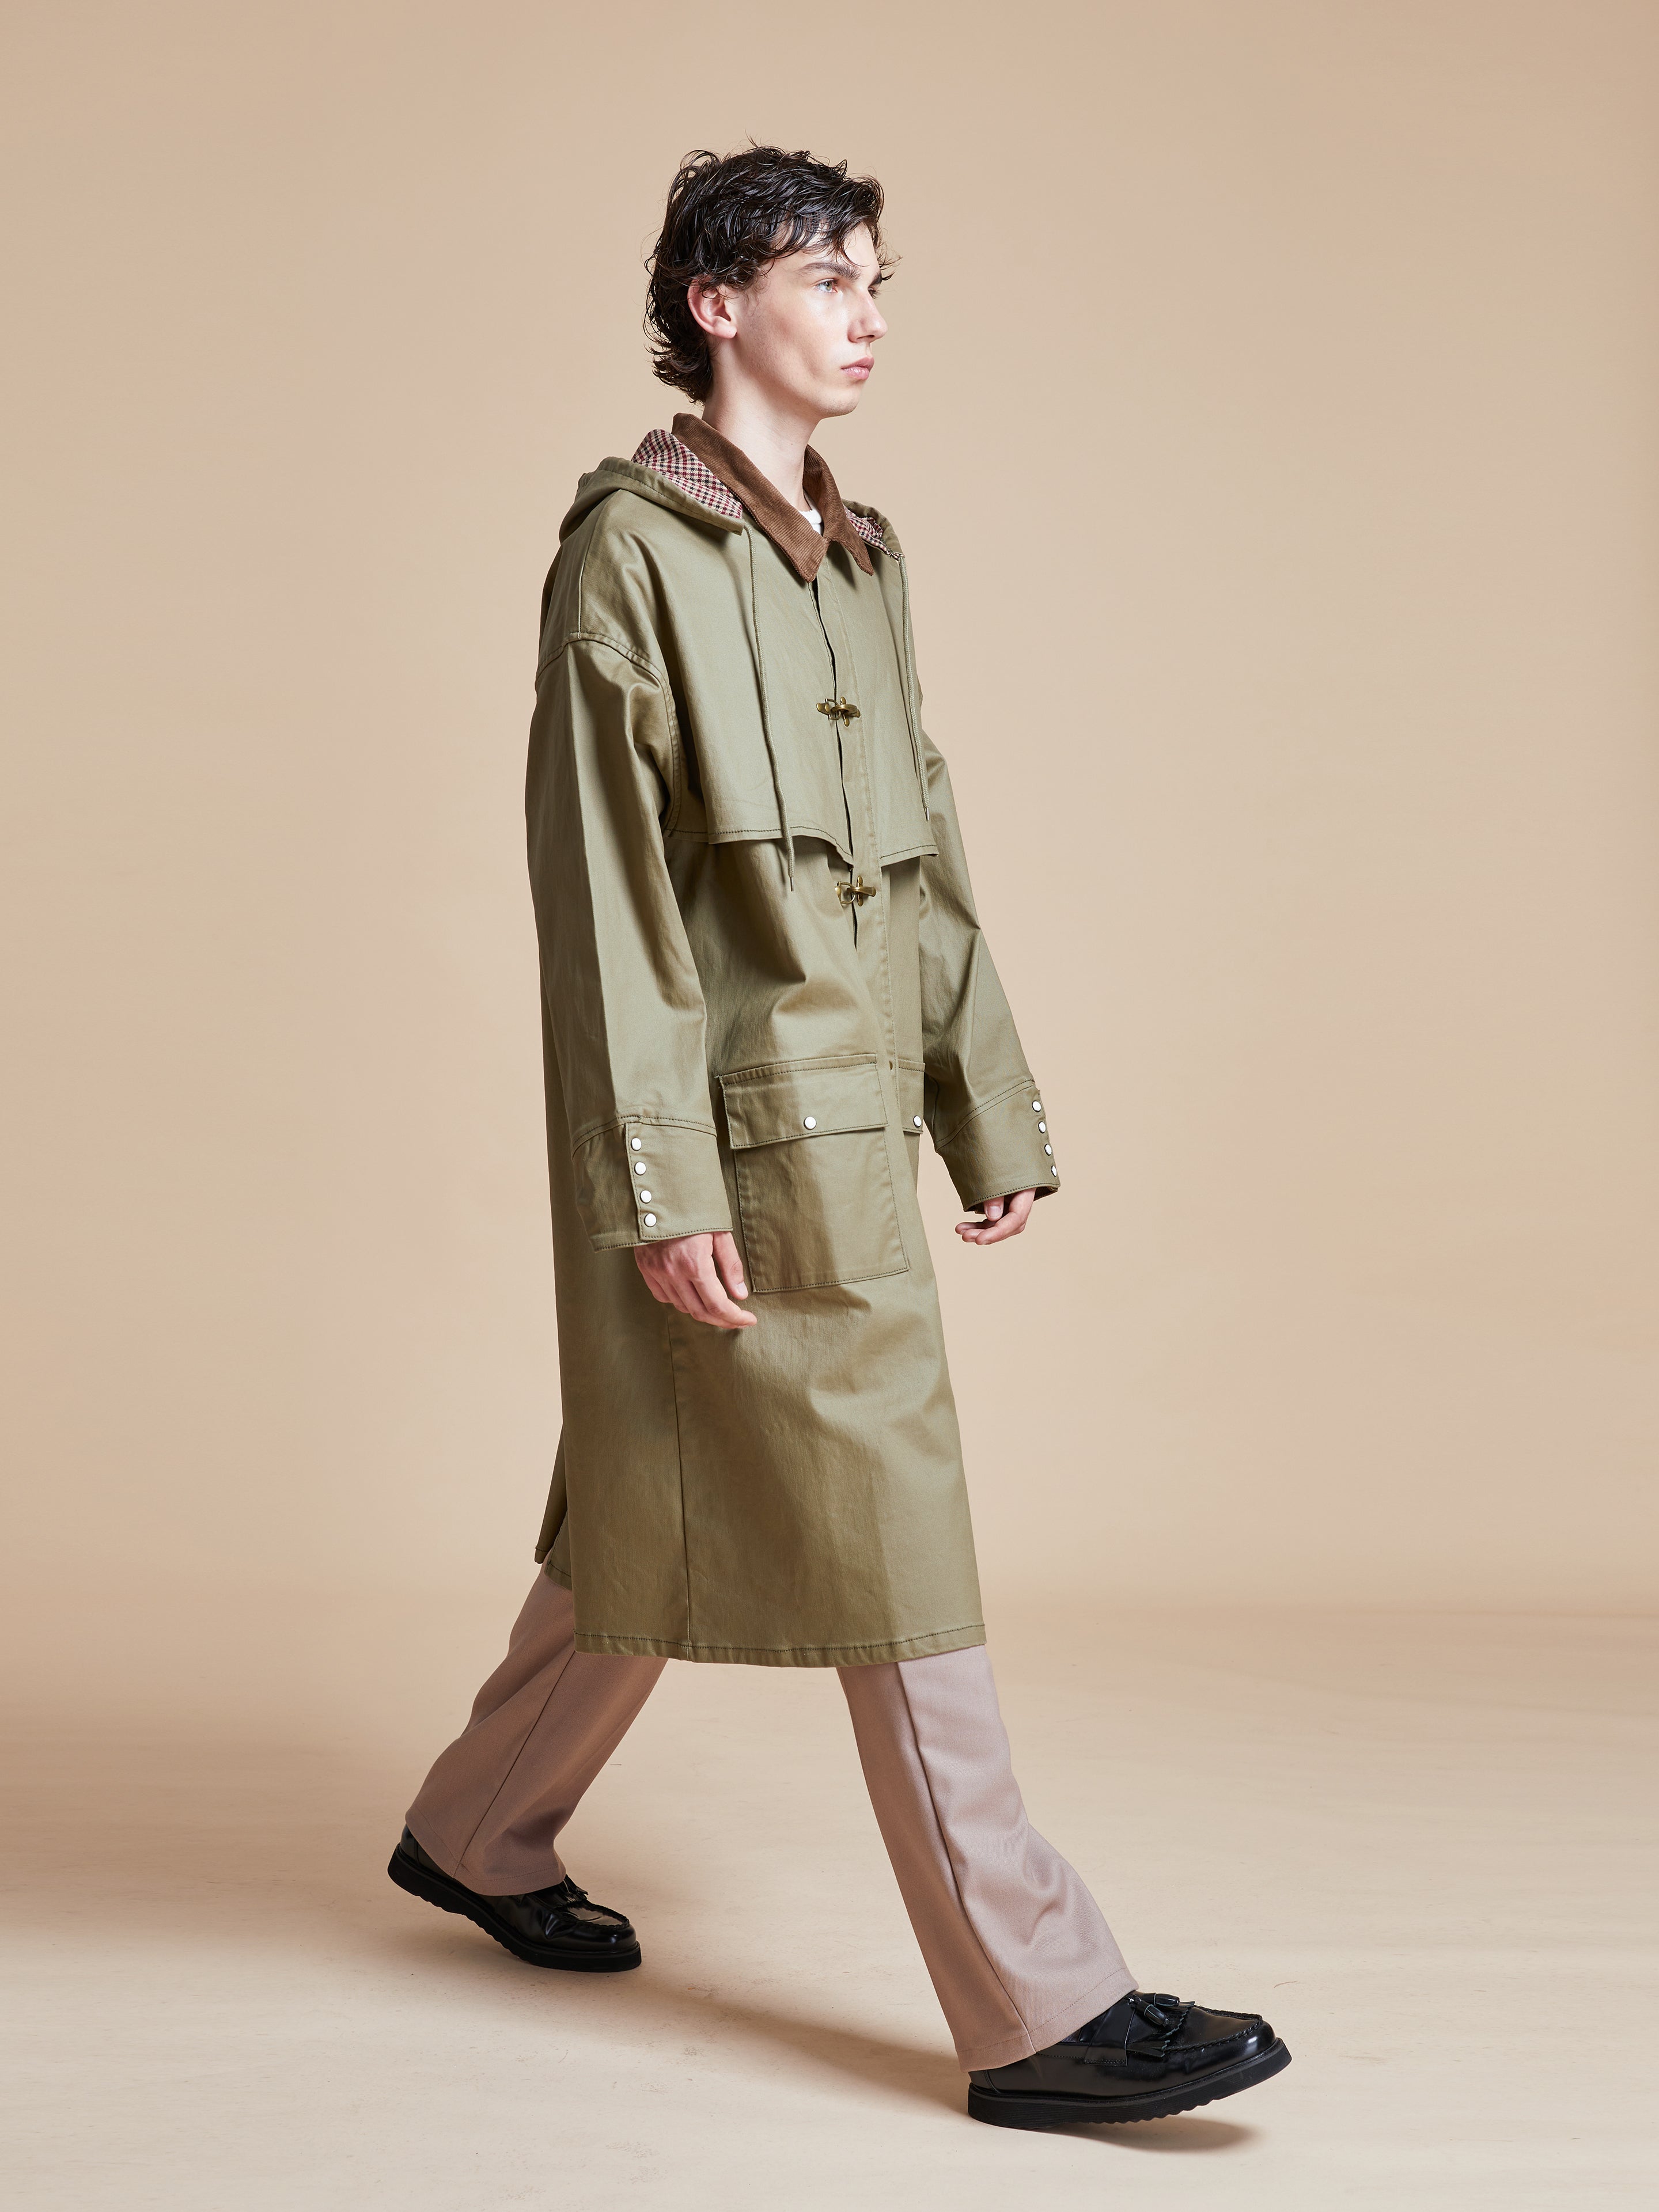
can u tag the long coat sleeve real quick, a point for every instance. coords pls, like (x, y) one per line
(625, 1003)
(986, 1124)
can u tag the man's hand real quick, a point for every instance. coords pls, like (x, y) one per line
(1002, 1217)
(695, 1273)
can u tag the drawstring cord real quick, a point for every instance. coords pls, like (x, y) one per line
(766, 720)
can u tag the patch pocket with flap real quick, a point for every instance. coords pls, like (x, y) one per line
(809, 1144)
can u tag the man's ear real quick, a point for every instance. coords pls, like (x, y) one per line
(710, 307)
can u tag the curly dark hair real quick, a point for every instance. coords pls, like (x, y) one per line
(730, 216)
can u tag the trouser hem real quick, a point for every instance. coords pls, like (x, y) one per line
(1040, 2033)
(438, 1853)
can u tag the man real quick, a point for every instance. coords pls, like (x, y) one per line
(762, 977)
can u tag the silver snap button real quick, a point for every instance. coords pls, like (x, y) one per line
(916, 1121)
(810, 1122)
(1048, 1148)
(650, 1221)
(646, 1195)
(640, 1168)
(638, 1143)
(1042, 1125)
(1036, 1105)
(1053, 1171)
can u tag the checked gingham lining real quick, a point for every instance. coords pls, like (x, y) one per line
(661, 451)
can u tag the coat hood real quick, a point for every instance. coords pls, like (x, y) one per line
(613, 475)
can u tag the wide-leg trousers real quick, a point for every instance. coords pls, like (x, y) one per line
(1018, 1951)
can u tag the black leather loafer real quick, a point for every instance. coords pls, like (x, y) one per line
(554, 1927)
(1144, 2058)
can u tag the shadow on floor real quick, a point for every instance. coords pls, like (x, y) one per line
(208, 1838)
(919, 2073)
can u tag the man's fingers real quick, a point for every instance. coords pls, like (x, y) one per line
(1003, 1217)
(728, 1266)
(1016, 1213)
(712, 1304)
(680, 1273)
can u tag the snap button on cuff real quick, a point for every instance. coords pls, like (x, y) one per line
(810, 1121)
(916, 1121)
(650, 1221)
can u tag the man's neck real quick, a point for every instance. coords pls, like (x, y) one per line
(774, 439)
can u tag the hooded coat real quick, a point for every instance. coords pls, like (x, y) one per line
(762, 978)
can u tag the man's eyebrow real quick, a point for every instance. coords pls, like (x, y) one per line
(840, 264)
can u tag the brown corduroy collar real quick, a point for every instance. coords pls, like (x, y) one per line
(801, 546)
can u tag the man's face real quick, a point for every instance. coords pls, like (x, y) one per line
(806, 329)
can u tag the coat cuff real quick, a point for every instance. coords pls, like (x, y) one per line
(640, 1181)
(1005, 1146)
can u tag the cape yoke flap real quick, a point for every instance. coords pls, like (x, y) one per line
(747, 667)
(775, 1104)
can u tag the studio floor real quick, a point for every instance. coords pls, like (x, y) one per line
(1421, 1843)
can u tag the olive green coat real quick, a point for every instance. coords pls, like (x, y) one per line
(730, 1043)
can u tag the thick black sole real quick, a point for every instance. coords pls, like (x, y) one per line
(450, 1896)
(1006, 2108)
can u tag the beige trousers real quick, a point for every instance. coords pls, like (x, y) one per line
(1017, 1948)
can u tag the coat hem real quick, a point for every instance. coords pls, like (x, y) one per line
(788, 1655)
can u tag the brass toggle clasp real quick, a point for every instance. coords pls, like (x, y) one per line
(857, 889)
(839, 710)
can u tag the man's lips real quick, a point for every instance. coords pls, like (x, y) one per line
(859, 369)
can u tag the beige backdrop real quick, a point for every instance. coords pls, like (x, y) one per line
(1291, 365)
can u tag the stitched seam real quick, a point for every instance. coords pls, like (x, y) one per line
(679, 1469)
(884, 911)
(582, 635)
(825, 1128)
(643, 1636)
(519, 1754)
(961, 1902)
(590, 1130)
(678, 782)
(737, 832)
(787, 1066)
(907, 677)
(1025, 1083)
(641, 660)
(826, 1283)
